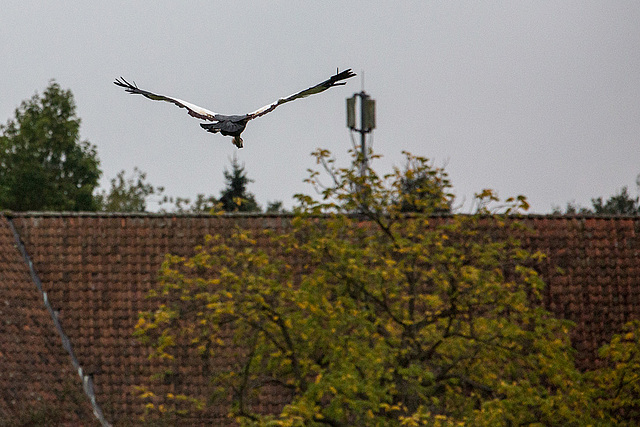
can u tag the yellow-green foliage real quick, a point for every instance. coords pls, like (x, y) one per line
(369, 315)
(616, 387)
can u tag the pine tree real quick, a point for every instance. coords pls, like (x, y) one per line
(235, 197)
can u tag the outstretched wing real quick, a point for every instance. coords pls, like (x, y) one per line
(194, 110)
(320, 87)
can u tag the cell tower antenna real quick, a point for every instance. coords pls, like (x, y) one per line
(367, 115)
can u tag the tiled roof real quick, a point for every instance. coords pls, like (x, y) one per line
(37, 378)
(97, 269)
(592, 275)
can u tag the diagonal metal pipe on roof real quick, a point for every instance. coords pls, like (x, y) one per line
(87, 381)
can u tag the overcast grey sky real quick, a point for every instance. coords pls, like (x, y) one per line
(540, 98)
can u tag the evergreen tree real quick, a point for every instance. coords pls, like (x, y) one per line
(235, 197)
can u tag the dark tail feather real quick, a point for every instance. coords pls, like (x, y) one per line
(211, 127)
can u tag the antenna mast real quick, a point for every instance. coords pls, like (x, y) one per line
(367, 121)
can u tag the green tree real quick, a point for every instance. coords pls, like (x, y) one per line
(275, 207)
(619, 204)
(235, 197)
(43, 163)
(375, 318)
(127, 194)
(572, 209)
(616, 387)
(201, 204)
(424, 190)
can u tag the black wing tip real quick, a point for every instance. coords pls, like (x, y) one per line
(121, 82)
(125, 84)
(335, 80)
(342, 75)
(348, 73)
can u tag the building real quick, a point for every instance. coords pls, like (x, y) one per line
(71, 286)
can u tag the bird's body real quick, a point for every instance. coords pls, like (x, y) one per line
(234, 125)
(228, 126)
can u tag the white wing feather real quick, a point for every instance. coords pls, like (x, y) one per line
(204, 114)
(193, 110)
(320, 87)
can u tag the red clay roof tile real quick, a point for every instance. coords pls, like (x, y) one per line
(36, 374)
(96, 269)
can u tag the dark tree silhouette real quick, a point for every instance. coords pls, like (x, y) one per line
(235, 197)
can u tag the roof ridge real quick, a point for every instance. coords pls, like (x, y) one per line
(87, 382)
(12, 214)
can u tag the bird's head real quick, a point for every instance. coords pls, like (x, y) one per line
(237, 141)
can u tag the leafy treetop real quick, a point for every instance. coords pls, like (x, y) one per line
(621, 203)
(43, 163)
(127, 194)
(365, 315)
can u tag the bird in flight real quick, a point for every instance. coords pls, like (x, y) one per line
(234, 125)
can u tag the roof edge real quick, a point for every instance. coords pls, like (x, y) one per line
(13, 214)
(87, 381)
(35, 214)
